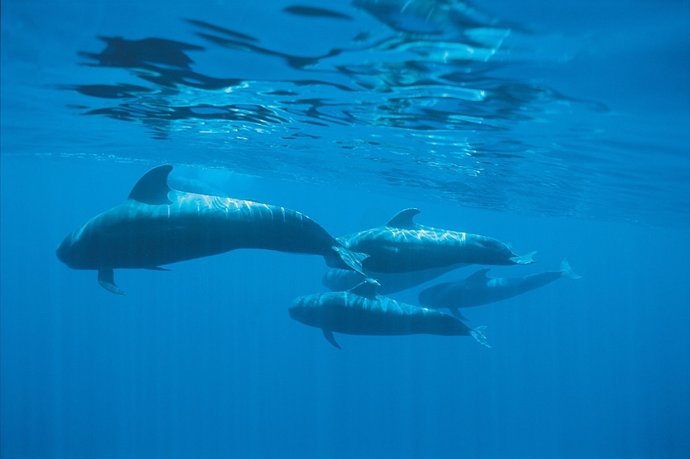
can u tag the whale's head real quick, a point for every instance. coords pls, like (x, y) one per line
(426, 296)
(492, 251)
(300, 309)
(338, 279)
(75, 251)
(307, 309)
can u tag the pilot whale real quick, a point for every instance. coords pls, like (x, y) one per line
(403, 245)
(478, 288)
(156, 226)
(361, 311)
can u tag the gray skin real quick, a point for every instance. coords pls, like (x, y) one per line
(157, 226)
(338, 279)
(361, 311)
(403, 245)
(478, 289)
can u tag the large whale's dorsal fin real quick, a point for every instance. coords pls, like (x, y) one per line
(152, 187)
(404, 218)
(479, 276)
(366, 289)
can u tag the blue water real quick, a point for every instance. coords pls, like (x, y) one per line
(559, 127)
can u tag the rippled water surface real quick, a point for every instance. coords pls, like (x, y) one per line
(530, 108)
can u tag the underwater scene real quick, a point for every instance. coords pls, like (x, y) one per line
(345, 229)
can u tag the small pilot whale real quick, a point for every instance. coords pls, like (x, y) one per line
(478, 288)
(361, 311)
(156, 226)
(402, 245)
(338, 279)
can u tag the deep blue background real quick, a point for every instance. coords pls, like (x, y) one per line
(204, 361)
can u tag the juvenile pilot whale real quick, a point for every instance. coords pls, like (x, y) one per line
(402, 245)
(157, 225)
(361, 311)
(478, 288)
(338, 279)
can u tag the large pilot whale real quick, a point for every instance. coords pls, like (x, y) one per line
(361, 311)
(403, 245)
(156, 226)
(478, 288)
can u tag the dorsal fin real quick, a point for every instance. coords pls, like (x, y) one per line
(404, 218)
(478, 276)
(367, 289)
(152, 187)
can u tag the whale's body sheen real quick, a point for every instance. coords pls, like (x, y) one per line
(403, 245)
(139, 235)
(157, 226)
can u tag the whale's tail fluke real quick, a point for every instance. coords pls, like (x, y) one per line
(567, 271)
(350, 259)
(526, 259)
(478, 334)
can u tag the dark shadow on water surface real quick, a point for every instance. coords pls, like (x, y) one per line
(431, 78)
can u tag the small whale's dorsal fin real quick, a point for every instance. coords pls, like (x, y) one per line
(330, 338)
(152, 187)
(366, 289)
(404, 218)
(479, 276)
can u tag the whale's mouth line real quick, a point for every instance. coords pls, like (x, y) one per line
(61, 254)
